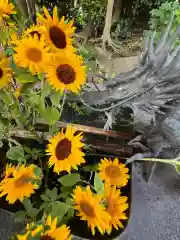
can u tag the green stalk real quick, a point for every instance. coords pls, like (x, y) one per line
(174, 161)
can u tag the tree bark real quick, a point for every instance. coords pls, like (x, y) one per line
(108, 20)
(75, 3)
(117, 10)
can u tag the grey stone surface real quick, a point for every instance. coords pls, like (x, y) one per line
(7, 225)
(155, 208)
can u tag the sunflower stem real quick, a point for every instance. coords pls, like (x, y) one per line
(62, 105)
(174, 161)
(86, 182)
(13, 141)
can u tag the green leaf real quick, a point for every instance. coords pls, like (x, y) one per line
(47, 89)
(20, 216)
(91, 168)
(51, 115)
(45, 198)
(54, 194)
(27, 205)
(55, 98)
(59, 209)
(98, 184)
(37, 171)
(32, 213)
(21, 160)
(64, 195)
(16, 69)
(41, 76)
(177, 167)
(28, 150)
(66, 190)
(14, 153)
(70, 212)
(26, 78)
(45, 206)
(69, 201)
(70, 180)
(7, 97)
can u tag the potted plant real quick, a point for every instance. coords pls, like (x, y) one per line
(50, 179)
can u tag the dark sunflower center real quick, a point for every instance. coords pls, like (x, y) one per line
(87, 209)
(46, 237)
(63, 149)
(112, 171)
(57, 37)
(66, 74)
(1, 73)
(34, 55)
(35, 33)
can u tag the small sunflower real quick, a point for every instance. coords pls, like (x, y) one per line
(34, 30)
(115, 207)
(57, 33)
(67, 73)
(6, 9)
(19, 184)
(90, 210)
(65, 150)
(31, 53)
(30, 231)
(55, 233)
(5, 71)
(113, 172)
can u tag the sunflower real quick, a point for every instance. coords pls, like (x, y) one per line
(113, 172)
(34, 30)
(65, 150)
(6, 9)
(5, 71)
(67, 73)
(115, 207)
(31, 53)
(90, 210)
(9, 170)
(55, 233)
(30, 230)
(19, 184)
(57, 33)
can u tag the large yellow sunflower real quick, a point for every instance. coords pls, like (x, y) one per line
(66, 73)
(113, 172)
(19, 184)
(90, 210)
(6, 9)
(5, 71)
(65, 150)
(57, 33)
(115, 207)
(31, 53)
